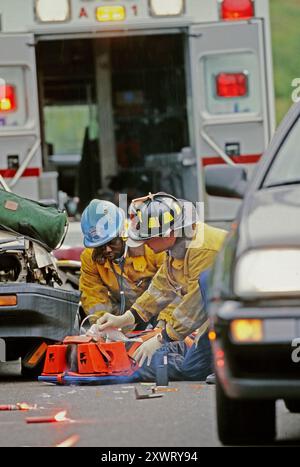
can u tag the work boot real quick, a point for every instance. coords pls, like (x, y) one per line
(211, 379)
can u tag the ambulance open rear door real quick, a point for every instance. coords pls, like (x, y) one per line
(231, 112)
(20, 156)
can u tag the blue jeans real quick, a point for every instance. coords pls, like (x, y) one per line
(184, 363)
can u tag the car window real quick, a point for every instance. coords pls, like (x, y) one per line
(285, 169)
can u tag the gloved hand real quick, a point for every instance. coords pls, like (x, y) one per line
(111, 321)
(147, 350)
(94, 332)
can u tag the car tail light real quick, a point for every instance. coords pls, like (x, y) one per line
(212, 336)
(232, 10)
(8, 300)
(230, 85)
(8, 101)
(247, 330)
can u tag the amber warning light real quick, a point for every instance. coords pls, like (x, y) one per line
(105, 14)
(8, 300)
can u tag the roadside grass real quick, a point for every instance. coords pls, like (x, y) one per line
(285, 20)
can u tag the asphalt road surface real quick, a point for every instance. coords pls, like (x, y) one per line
(111, 416)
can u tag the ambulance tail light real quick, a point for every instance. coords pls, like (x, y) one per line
(234, 10)
(231, 85)
(8, 101)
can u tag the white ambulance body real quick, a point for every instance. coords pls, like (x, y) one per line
(137, 95)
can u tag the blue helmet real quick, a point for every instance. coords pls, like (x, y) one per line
(101, 222)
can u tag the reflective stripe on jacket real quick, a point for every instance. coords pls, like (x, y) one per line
(99, 286)
(175, 289)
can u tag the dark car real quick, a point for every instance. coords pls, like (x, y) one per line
(254, 302)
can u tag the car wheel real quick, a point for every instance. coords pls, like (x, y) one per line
(293, 405)
(245, 422)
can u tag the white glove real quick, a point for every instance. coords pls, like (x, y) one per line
(111, 321)
(147, 350)
(94, 332)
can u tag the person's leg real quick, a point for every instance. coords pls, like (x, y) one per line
(198, 362)
(176, 352)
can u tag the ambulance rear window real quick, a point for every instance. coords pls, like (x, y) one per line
(231, 83)
(13, 112)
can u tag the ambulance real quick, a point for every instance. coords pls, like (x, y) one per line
(132, 96)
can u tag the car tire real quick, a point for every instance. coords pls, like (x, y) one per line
(293, 405)
(245, 422)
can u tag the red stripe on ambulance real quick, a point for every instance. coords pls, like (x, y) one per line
(245, 159)
(30, 172)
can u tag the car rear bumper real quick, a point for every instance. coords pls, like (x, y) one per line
(41, 312)
(246, 388)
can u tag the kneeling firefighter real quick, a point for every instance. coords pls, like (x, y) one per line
(165, 223)
(113, 274)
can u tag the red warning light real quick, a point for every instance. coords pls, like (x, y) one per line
(232, 10)
(8, 101)
(229, 85)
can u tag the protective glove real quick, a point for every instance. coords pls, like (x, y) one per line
(94, 332)
(111, 321)
(147, 350)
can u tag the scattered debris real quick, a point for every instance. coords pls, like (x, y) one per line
(161, 376)
(59, 417)
(19, 406)
(197, 386)
(69, 442)
(146, 396)
(164, 389)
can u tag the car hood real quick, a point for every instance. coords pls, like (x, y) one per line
(271, 217)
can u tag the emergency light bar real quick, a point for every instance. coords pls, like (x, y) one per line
(166, 7)
(230, 85)
(232, 10)
(8, 101)
(52, 11)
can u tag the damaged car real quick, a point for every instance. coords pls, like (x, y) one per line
(35, 310)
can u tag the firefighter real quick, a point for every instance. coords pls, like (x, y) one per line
(113, 274)
(167, 224)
